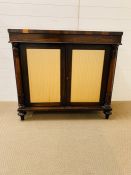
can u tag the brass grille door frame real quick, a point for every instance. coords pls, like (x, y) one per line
(43, 74)
(88, 68)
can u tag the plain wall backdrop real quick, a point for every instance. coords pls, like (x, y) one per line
(105, 15)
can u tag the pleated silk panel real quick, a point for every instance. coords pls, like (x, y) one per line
(44, 75)
(87, 68)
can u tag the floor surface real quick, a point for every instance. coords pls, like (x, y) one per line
(65, 144)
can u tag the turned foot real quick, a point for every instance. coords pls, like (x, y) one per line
(107, 116)
(107, 111)
(21, 114)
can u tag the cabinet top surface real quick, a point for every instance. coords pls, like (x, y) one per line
(64, 36)
(33, 31)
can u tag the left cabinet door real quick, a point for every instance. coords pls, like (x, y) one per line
(43, 74)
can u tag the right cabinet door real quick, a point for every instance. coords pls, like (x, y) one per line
(89, 66)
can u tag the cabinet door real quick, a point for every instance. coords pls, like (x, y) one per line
(88, 72)
(43, 73)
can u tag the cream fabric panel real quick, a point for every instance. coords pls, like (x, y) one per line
(44, 74)
(87, 67)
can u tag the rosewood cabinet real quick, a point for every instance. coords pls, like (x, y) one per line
(64, 70)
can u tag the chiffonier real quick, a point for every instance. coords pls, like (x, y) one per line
(58, 70)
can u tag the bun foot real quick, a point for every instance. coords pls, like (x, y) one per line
(21, 114)
(107, 116)
(22, 117)
(107, 111)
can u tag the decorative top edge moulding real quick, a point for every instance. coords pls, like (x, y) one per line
(65, 36)
(65, 32)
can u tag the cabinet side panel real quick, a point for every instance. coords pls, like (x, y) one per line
(44, 75)
(87, 68)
